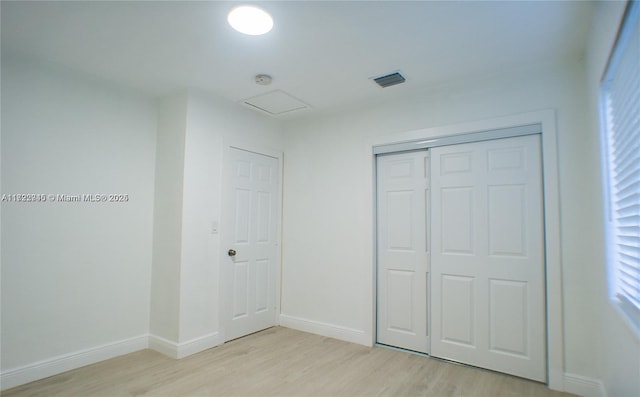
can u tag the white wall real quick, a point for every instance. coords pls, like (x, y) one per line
(211, 123)
(194, 127)
(620, 360)
(328, 247)
(74, 275)
(80, 281)
(83, 281)
(167, 226)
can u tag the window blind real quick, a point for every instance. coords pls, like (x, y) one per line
(621, 111)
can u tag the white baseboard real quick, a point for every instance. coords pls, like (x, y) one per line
(57, 365)
(164, 346)
(184, 349)
(66, 362)
(325, 329)
(584, 386)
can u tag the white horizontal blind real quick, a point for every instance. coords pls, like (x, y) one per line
(621, 111)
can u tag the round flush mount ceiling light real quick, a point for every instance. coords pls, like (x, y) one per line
(250, 20)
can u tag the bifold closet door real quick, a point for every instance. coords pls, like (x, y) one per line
(402, 257)
(487, 259)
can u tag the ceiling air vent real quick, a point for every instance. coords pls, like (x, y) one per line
(389, 79)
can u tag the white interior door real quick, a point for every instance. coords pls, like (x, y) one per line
(250, 221)
(487, 256)
(402, 257)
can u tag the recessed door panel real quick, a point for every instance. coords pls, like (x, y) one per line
(399, 223)
(508, 300)
(507, 220)
(263, 217)
(455, 163)
(262, 285)
(264, 173)
(242, 215)
(400, 286)
(401, 168)
(240, 289)
(457, 215)
(510, 158)
(243, 169)
(458, 310)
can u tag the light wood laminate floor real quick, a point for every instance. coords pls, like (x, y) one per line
(281, 362)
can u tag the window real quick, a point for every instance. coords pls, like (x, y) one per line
(620, 110)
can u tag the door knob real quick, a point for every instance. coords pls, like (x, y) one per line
(232, 252)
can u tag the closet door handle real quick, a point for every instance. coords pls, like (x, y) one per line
(232, 252)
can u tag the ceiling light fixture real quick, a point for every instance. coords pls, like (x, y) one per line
(250, 20)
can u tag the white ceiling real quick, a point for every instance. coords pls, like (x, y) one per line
(321, 52)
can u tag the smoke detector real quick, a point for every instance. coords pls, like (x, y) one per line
(263, 79)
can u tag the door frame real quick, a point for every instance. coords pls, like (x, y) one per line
(223, 305)
(551, 204)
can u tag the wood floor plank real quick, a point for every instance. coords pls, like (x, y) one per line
(281, 362)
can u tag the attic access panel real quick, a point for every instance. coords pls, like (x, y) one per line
(276, 102)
